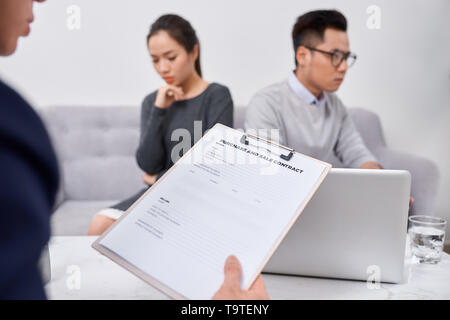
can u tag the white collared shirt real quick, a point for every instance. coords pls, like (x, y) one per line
(303, 93)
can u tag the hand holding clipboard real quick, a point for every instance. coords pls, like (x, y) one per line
(213, 203)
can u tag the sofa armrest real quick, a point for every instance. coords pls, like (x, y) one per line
(424, 177)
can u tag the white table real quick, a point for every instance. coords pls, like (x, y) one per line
(80, 272)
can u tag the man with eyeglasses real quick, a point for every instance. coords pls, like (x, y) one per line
(309, 116)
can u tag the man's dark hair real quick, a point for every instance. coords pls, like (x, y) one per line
(310, 27)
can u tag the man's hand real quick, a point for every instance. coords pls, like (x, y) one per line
(374, 165)
(150, 179)
(411, 201)
(370, 165)
(231, 287)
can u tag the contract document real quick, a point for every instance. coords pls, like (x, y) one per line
(232, 193)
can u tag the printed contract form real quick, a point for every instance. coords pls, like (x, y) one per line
(223, 197)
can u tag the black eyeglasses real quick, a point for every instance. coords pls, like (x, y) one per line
(338, 56)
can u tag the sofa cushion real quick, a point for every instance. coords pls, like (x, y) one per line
(72, 218)
(96, 149)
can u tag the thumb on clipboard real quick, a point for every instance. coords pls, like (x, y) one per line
(231, 287)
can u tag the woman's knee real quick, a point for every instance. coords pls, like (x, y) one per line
(99, 225)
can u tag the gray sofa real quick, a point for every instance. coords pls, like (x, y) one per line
(96, 148)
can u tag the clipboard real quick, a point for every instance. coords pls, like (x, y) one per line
(247, 141)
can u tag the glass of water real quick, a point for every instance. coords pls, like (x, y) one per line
(427, 236)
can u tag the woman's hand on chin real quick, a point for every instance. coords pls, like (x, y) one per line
(167, 95)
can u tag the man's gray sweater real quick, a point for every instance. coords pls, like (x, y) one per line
(324, 132)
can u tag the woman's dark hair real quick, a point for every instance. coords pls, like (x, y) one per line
(310, 27)
(181, 31)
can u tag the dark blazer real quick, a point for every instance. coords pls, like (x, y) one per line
(28, 185)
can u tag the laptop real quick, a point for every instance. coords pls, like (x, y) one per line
(355, 225)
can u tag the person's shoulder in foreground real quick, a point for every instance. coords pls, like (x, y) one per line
(27, 190)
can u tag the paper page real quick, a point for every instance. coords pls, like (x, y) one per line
(221, 198)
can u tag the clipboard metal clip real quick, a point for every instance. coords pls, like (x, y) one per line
(244, 140)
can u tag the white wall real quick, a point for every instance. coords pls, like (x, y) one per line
(402, 72)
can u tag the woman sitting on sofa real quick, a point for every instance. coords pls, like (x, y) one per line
(186, 98)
